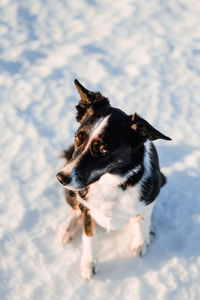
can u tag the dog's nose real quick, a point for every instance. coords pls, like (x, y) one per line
(64, 179)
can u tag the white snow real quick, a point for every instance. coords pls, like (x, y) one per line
(143, 55)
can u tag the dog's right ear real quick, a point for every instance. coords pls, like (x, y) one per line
(146, 131)
(89, 102)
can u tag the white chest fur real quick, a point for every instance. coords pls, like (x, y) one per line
(109, 205)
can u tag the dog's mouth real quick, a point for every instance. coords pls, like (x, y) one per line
(68, 187)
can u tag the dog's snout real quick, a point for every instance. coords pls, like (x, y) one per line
(64, 179)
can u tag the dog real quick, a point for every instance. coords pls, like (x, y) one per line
(112, 175)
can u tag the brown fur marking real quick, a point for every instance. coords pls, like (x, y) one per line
(134, 127)
(71, 199)
(83, 193)
(133, 117)
(88, 223)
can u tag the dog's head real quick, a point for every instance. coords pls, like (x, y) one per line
(107, 141)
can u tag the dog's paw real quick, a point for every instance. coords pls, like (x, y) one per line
(143, 249)
(64, 235)
(140, 247)
(136, 246)
(140, 250)
(88, 269)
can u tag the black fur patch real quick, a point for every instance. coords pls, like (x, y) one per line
(86, 108)
(132, 179)
(152, 184)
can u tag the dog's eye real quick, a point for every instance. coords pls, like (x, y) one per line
(103, 150)
(98, 149)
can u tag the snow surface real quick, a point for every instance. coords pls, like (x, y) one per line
(143, 55)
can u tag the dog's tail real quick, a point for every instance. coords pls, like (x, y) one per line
(67, 154)
(163, 179)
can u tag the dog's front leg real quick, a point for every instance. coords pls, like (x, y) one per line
(88, 265)
(142, 233)
(69, 227)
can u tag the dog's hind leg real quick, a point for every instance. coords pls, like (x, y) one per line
(69, 227)
(88, 265)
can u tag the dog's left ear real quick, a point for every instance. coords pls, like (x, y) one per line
(89, 102)
(145, 130)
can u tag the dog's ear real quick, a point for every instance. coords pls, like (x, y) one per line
(89, 102)
(145, 130)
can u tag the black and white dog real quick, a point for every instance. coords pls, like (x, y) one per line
(112, 175)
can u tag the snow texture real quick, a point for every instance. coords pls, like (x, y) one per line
(144, 56)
